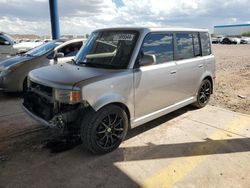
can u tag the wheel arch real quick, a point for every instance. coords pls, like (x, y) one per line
(113, 101)
(211, 80)
(207, 75)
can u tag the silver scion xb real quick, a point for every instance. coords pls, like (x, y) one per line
(122, 78)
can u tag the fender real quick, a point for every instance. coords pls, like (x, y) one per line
(110, 99)
(204, 75)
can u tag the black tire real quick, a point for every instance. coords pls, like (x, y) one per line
(204, 94)
(104, 130)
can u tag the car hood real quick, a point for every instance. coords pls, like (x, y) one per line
(14, 61)
(66, 76)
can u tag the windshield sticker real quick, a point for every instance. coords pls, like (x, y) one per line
(124, 37)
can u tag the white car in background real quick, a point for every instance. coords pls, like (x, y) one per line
(245, 40)
(23, 47)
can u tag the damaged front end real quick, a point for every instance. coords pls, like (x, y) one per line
(42, 104)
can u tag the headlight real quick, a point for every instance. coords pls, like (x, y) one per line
(4, 72)
(67, 96)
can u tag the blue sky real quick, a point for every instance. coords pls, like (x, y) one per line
(84, 16)
(119, 3)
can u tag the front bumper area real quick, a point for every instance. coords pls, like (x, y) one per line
(48, 112)
(38, 119)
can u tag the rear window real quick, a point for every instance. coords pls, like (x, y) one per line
(205, 44)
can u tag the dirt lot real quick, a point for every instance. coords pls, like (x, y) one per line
(232, 87)
(32, 156)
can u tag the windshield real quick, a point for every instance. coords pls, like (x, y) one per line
(108, 49)
(42, 49)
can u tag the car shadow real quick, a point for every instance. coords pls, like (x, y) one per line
(207, 147)
(91, 170)
(64, 143)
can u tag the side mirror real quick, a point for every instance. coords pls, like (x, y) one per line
(148, 59)
(6, 43)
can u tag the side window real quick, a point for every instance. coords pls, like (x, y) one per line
(184, 45)
(205, 44)
(197, 48)
(2, 41)
(71, 49)
(160, 45)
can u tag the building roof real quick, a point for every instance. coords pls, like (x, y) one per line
(235, 25)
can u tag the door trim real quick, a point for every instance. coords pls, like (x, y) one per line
(161, 112)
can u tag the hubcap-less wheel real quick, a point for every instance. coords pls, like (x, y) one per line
(110, 131)
(104, 130)
(204, 93)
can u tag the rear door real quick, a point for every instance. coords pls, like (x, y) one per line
(155, 85)
(190, 63)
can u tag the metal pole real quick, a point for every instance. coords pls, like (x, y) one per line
(54, 17)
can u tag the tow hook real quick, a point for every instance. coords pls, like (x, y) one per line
(57, 121)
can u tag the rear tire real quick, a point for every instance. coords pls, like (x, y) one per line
(104, 130)
(204, 94)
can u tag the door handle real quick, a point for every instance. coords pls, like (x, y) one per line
(200, 65)
(173, 72)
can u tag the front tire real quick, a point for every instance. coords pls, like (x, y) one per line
(204, 94)
(104, 130)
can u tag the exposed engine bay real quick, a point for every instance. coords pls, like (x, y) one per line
(39, 100)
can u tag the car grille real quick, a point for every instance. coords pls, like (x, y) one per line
(41, 88)
(38, 105)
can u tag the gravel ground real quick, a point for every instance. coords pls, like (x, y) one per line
(232, 87)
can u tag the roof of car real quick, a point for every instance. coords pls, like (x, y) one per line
(156, 29)
(61, 40)
(70, 40)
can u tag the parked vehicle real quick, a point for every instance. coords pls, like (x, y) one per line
(24, 47)
(6, 46)
(215, 40)
(231, 40)
(14, 71)
(122, 78)
(245, 40)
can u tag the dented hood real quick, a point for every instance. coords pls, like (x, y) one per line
(65, 76)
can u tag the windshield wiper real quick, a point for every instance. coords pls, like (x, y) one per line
(97, 65)
(82, 63)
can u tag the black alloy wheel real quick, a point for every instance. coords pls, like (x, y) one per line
(104, 130)
(204, 94)
(110, 131)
